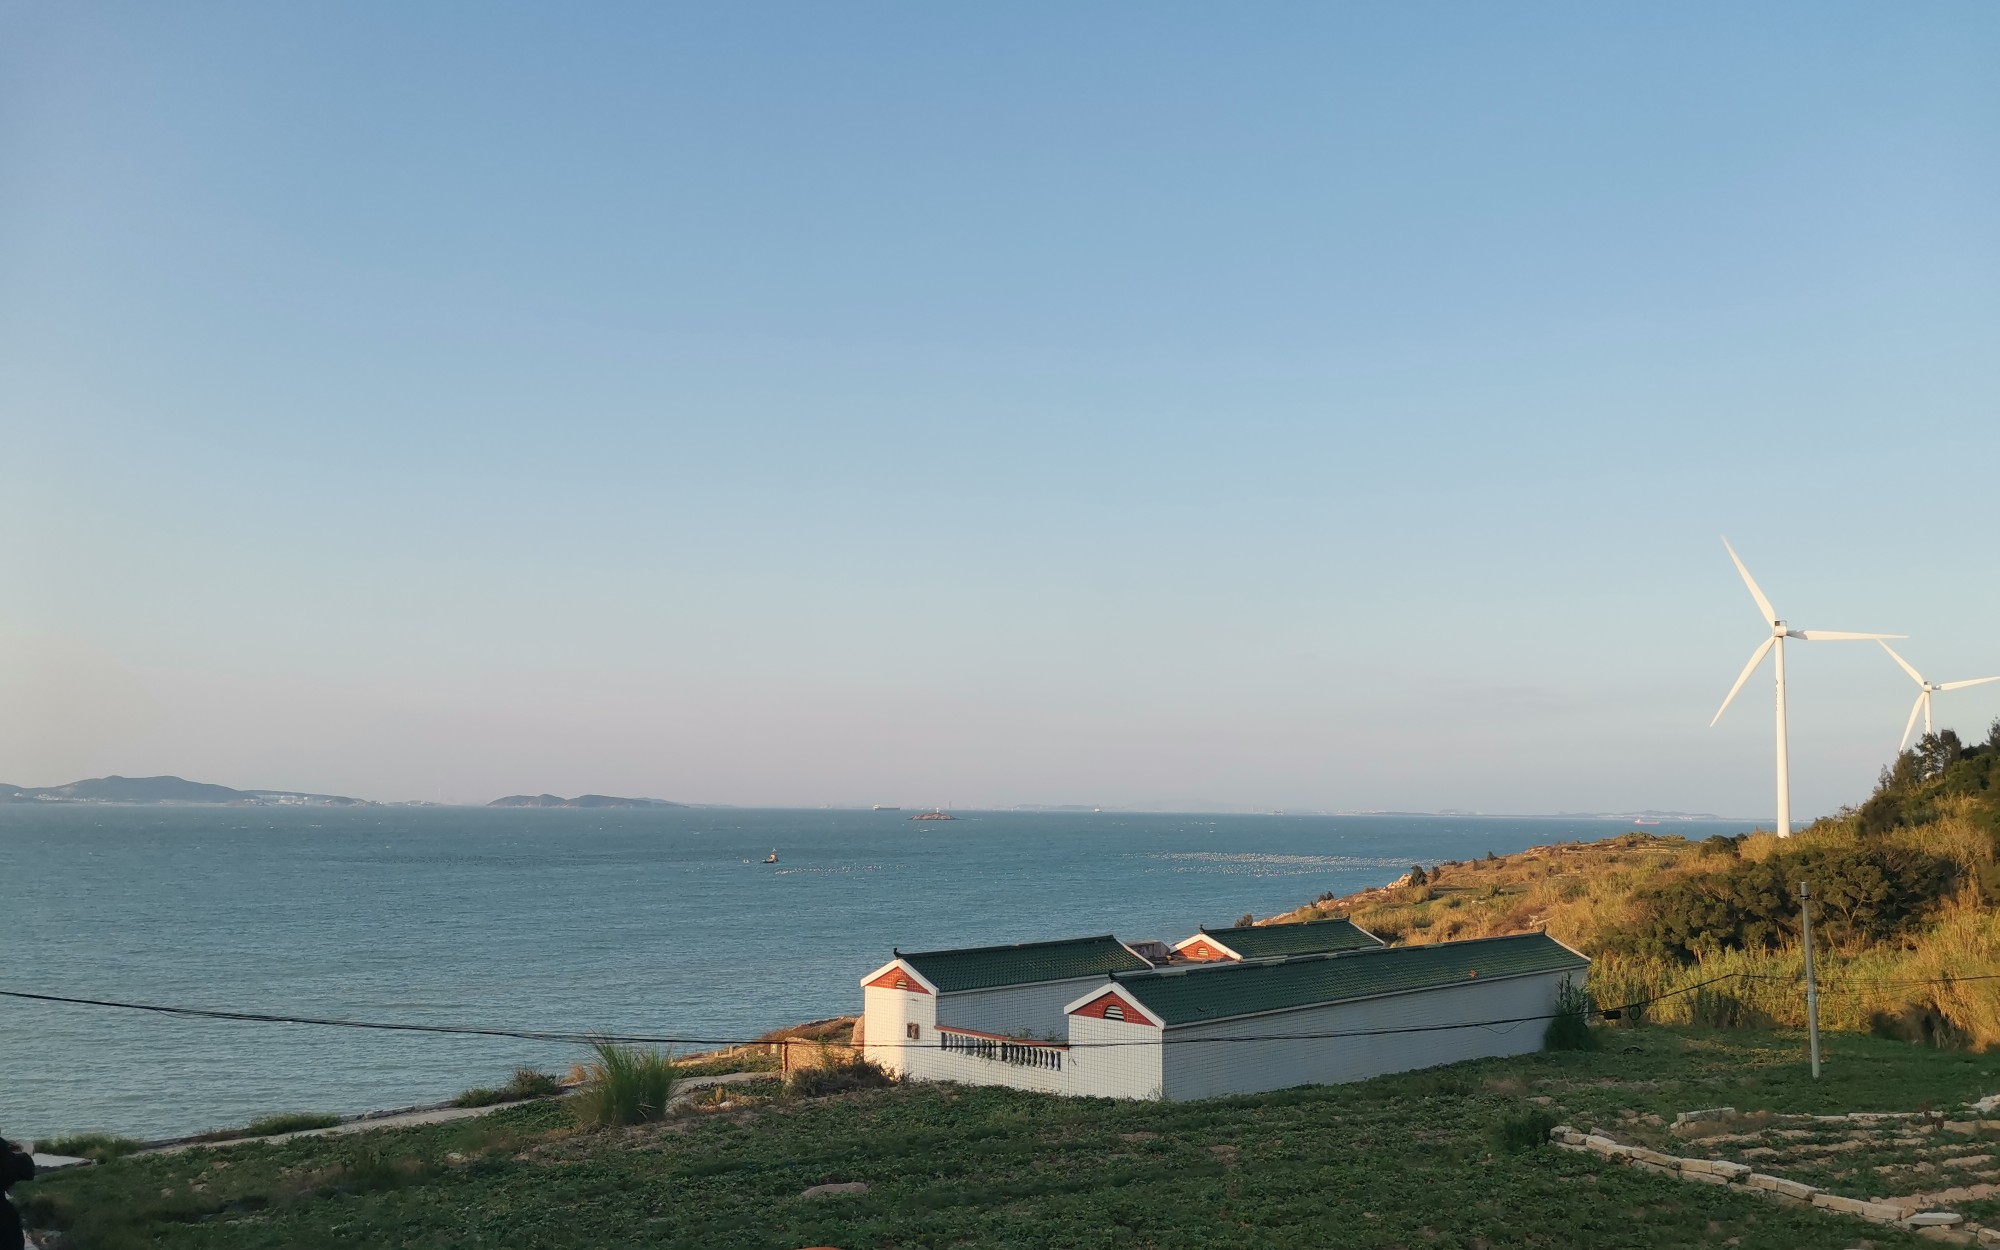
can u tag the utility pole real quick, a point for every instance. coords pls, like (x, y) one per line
(1812, 978)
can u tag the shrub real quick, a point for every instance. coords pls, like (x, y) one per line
(533, 1083)
(97, 1147)
(625, 1085)
(526, 1083)
(1712, 1009)
(1520, 1132)
(289, 1122)
(835, 1076)
(1570, 1029)
(1863, 893)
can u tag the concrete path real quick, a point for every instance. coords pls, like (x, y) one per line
(683, 1090)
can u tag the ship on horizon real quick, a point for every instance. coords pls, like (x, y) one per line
(885, 807)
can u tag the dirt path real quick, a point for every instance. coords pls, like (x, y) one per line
(683, 1090)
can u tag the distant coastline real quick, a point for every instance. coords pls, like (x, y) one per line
(180, 792)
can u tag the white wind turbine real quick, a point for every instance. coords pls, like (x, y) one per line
(1776, 642)
(1925, 689)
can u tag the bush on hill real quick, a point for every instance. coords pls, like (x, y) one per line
(1863, 893)
(1906, 911)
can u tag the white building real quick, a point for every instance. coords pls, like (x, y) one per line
(1224, 1026)
(1241, 1028)
(953, 1015)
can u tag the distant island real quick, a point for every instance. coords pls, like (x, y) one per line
(581, 800)
(168, 790)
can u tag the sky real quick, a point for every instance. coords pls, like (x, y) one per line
(1298, 406)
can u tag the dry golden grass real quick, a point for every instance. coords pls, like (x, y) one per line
(1586, 894)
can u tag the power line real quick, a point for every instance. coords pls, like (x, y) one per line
(638, 1039)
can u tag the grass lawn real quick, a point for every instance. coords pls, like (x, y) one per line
(1404, 1161)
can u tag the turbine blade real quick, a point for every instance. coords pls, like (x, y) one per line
(1756, 658)
(1834, 635)
(1960, 685)
(1763, 604)
(1916, 707)
(1904, 664)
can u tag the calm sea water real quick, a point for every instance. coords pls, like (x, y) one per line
(658, 922)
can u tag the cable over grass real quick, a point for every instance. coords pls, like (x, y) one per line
(626, 1085)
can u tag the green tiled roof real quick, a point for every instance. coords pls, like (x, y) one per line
(1310, 938)
(982, 967)
(1219, 991)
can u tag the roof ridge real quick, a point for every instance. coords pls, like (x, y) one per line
(1281, 924)
(1006, 946)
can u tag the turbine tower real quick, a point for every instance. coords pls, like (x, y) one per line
(1776, 643)
(1925, 689)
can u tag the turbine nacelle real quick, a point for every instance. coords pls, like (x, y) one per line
(1925, 689)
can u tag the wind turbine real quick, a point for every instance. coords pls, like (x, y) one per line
(1776, 643)
(1925, 689)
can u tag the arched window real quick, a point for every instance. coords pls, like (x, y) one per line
(902, 983)
(1112, 1011)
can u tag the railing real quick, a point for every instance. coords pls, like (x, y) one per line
(1023, 1054)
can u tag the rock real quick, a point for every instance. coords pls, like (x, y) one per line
(1989, 1236)
(1961, 1126)
(1708, 1113)
(1781, 1185)
(1879, 1212)
(1951, 1236)
(839, 1187)
(1935, 1219)
(1726, 1170)
(1639, 1154)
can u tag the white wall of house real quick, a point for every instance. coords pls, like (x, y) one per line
(887, 1015)
(1127, 1067)
(1194, 1065)
(1033, 1010)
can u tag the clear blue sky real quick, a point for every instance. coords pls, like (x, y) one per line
(1302, 406)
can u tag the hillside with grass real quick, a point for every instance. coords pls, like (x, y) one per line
(1450, 1158)
(1906, 911)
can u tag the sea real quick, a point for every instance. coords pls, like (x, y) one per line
(663, 923)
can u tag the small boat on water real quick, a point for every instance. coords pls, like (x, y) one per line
(936, 813)
(772, 858)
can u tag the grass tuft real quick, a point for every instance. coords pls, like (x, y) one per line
(625, 1085)
(289, 1122)
(1525, 1131)
(97, 1147)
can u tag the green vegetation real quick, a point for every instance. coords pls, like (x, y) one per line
(1440, 1158)
(625, 1086)
(832, 1073)
(1907, 910)
(525, 1083)
(1571, 1030)
(100, 1147)
(289, 1122)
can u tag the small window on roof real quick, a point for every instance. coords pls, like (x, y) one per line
(1112, 1011)
(902, 983)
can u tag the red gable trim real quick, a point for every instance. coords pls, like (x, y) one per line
(1095, 1009)
(897, 979)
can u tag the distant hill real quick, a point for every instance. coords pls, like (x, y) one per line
(581, 800)
(164, 790)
